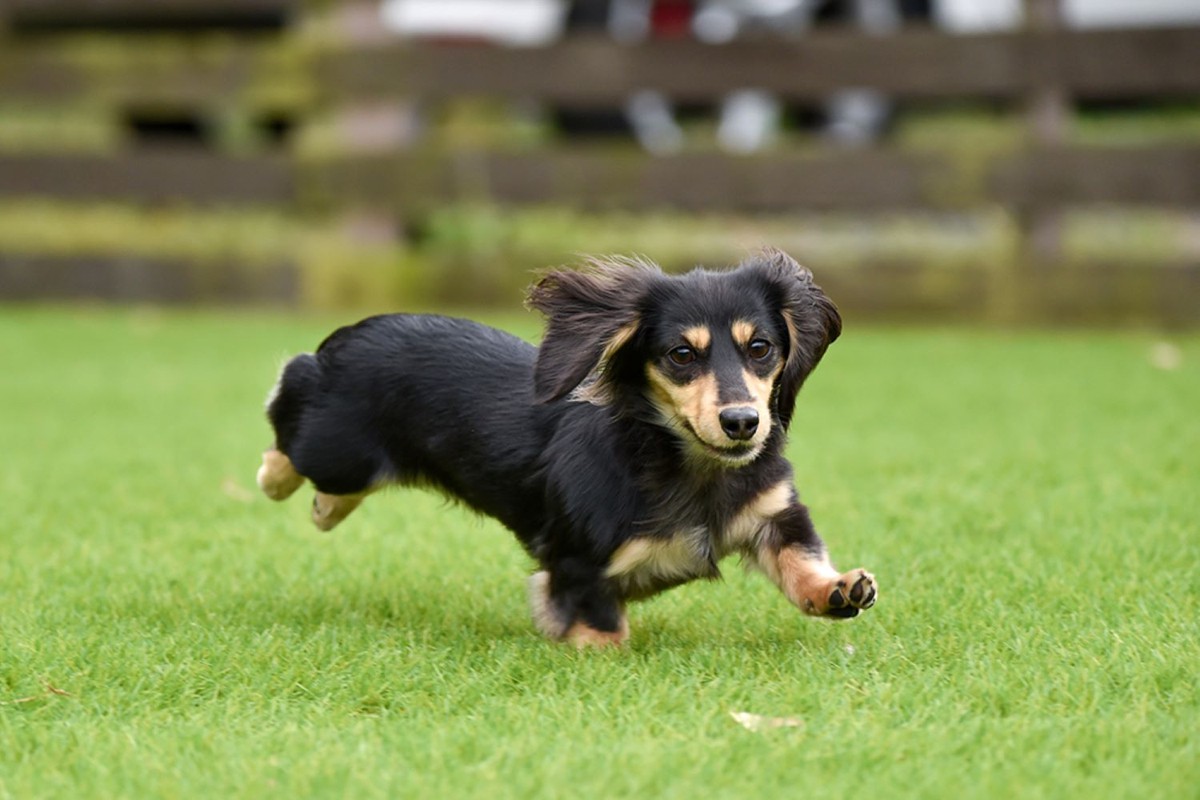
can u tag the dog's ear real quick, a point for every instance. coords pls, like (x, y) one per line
(811, 319)
(591, 314)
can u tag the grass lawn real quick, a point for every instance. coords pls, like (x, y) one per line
(1029, 502)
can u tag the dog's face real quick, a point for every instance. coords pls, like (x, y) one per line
(716, 357)
(711, 361)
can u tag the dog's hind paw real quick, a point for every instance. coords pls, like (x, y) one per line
(585, 637)
(277, 477)
(852, 592)
(330, 509)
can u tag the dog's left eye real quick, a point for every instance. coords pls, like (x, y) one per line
(759, 349)
(682, 356)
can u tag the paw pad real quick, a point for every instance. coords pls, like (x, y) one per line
(853, 592)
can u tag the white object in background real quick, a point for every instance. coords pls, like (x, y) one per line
(653, 124)
(977, 16)
(974, 16)
(1127, 14)
(512, 22)
(749, 121)
(856, 116)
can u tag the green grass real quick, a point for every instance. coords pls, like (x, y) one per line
(1029, 503)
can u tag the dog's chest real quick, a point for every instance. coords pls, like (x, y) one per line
(648, 563)
(650, 560)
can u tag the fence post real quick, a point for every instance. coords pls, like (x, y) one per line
(1048, 114)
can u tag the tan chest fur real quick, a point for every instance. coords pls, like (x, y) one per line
(691, 553)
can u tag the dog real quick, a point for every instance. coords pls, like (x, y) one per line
(640, 444)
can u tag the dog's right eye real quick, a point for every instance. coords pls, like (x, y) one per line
(759, 349)
(682, 356)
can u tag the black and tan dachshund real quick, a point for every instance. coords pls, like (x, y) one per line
(638, 446)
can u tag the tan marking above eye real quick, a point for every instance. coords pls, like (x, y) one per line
(742, 331)
(698, 336)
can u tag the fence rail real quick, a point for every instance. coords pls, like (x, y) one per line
(131, 71)
(916, 64)
(911, 64)
(864, 180)
(600, 178)
(151, 177)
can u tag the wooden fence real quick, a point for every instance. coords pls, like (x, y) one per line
(285, 74)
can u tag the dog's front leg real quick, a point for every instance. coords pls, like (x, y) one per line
(573, 601)
(792, 554)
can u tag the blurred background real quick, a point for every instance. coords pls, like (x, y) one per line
(1004, 161)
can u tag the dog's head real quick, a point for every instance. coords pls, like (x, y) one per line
(716, 357)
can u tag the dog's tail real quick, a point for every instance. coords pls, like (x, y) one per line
(298, 383)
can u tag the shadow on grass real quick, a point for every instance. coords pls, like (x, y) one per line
(357, 600)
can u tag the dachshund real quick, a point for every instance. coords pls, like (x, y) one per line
(640, 444)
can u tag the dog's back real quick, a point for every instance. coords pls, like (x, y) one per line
(414, 399)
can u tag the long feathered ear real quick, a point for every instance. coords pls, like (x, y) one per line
(591, 314)
(812, 322)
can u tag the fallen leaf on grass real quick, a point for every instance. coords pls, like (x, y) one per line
(757, 722)
(1166, 356)
(51, 691)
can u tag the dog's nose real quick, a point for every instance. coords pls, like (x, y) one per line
(739, 422)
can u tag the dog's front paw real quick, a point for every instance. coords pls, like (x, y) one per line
(852, 592)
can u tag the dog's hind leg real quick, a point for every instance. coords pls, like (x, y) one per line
(277, 477)
(330, 509)
(585, 617)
